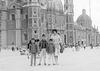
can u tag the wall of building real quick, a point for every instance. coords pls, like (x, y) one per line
(34, 21)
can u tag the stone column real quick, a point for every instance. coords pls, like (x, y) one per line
(3, 30)
(18, 28)
(74, 36)
(86, 38)
(95, 39)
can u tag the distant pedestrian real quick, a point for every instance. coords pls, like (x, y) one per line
(0, 49)
(42, 46)
(91, 45)
(57, 41)
(79, 43)
(13, 49)
(51, 51)
(84, 46)
(76, 46)
(33, 51)
(17, 48)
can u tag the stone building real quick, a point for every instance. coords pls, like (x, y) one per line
(23, 19)
(69, 32)
(84, 31)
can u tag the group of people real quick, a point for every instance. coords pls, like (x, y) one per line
(81, 44)
(44, 47)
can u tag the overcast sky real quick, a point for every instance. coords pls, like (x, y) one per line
(84, 4)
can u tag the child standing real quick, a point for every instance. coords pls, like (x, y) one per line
(33, 51)
(51, 51)
(42, 46)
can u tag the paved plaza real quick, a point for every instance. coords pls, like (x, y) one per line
(70, 60)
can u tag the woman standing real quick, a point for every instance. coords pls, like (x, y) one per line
(57, 41)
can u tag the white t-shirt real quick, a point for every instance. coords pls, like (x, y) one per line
(56, 38)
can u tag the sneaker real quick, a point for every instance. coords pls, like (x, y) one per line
(54, 64)
(44, 63)
(39, 64)
(30, 65)
(48, 64)
(57, 64)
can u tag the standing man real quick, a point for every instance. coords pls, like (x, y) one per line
(33, 51)
(43, 44)
(57, 41)
(91, 46)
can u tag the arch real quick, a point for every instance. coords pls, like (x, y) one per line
(11, 5)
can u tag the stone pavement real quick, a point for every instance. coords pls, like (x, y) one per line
(70, 60)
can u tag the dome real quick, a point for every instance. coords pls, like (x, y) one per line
(55, 5)
(84, 20)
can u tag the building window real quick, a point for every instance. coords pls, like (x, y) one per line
(30, 12)
(30, 23)
(18, 1)
(13, 6)
(35, 31)
(81, 24)
(67, 1)
(0, 17)
(42, 18)
(34, 21)
(21, 11)
(30, 1)
(66, 7)
(13, 16)
(34, 12)
(26, 16)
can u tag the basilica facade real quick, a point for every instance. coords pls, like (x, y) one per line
(85, 32)
(21, 20)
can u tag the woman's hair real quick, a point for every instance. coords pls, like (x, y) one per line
(50, 39)
(54, 30)
(43, 35)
